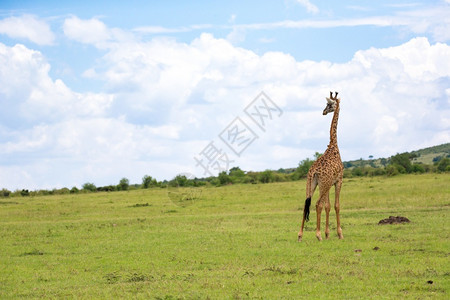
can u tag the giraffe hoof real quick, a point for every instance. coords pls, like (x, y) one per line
(299, 238)
(319, 238)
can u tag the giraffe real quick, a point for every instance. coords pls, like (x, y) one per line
(325, 172)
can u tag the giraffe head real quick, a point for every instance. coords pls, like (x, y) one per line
(331, 103)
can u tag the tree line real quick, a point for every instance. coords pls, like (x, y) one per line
(395, 165)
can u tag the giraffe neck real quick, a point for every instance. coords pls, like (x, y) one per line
(334, 123)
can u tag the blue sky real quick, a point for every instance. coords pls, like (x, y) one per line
(97, 91)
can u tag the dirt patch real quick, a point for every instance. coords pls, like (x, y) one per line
(394, 220)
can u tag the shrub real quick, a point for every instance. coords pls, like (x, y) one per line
(443, 165)
(107, 188)
(5, 193)
(402, 162)
(124, 184)
(266, 176)
(391, 170)
(89, 187)
(302, 169)
(418, 168)
(62, 191)
(224, 178)
(357, 171)
(146, 181)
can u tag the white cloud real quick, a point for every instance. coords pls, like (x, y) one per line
(166, 100)
(94, 32)
(164, 30)
(433, 21)
(27, 27)
(90, 31)
(311, 8)
(414, 19)
(224, 78)
(28, 92)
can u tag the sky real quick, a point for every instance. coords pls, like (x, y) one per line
(95, 91)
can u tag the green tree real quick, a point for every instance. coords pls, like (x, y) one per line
(357, 171)
(236, 172)
(266, 176)
(224, 178)
(124, 184)
(303, 168)
(391, 170)
(443, 164)
(146, 181)
(418, 168)
(88, 186)
(180, 181)
(402, 162)
(5, 193)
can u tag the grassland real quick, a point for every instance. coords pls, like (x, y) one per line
(235, 241)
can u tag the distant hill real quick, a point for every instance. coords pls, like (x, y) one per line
(425, 156)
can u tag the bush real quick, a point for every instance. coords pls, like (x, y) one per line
(418, 168)
(90, 187)
(147, 181)
(107, 188)
(357, 171)
(302, 169)
(62, 191)
(124, 184)
(391, 170)
(251, 177)
(378, 172)
(443, 165)
(236, 172)
(266, 176)
(402, 162)
(5, 193)
(224, 178)
(181, 181)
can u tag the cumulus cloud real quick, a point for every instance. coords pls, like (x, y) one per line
(86, 31)
(93, 32)
(28, 27)
(206, 91)
(166, 100)
(29, 94)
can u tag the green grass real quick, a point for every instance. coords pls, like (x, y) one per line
(235, 242)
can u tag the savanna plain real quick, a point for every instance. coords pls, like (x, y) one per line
(236, 241)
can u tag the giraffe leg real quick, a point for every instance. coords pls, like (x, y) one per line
(327, 212)
(300, 233)
(319, 207)
(337, 208)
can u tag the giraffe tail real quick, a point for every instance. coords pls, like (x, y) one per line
(309, 192)
(306, 209)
